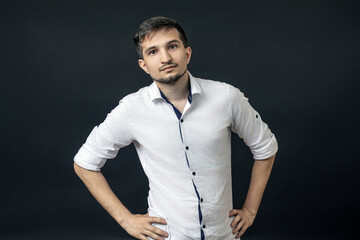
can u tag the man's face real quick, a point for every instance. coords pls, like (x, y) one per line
(164, 56)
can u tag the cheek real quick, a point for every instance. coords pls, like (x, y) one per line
(149, 65)
(151, 68)
(186, 61)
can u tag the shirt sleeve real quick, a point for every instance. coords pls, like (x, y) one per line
(105, 140)
(247, 124)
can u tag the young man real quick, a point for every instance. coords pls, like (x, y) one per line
(181, 128)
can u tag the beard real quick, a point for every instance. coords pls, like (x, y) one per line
(170, 80)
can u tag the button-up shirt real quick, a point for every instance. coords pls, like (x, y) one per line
(187, 159)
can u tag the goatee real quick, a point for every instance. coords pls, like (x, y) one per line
(170, 80)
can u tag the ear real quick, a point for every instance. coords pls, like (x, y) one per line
(143, 65)
(188, 52)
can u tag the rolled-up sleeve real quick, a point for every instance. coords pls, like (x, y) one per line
(247, 124)
(106, 139)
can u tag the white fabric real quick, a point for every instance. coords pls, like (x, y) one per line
(160, 139)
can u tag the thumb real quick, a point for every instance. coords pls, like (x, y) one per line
(232, 213)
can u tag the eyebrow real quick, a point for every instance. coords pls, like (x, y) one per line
(168, 43)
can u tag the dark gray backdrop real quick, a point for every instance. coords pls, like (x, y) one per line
(66, 64)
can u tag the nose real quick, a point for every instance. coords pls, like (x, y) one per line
(165, 56)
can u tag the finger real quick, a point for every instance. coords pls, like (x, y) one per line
(232, 213)
(153, 235)
(157, 220)
(158, 231)
(233, 223)
(242, 231)
(236, 220)
(142, 237)
(238, 227)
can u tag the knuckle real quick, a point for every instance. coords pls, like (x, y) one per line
(239, 228)
(155, 236)
(158, 237)
(156, 230)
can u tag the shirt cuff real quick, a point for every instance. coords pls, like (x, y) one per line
(88, 161)
(268, 151)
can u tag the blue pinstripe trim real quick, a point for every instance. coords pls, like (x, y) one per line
(178, 115)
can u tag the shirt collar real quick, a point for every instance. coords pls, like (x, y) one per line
(154, 91)
(194, 84)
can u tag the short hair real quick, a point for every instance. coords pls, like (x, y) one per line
(154, 24)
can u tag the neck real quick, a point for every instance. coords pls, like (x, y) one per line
(178, 91)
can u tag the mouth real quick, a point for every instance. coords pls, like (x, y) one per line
(168, 68)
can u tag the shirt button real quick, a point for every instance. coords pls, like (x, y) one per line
(204, 226)
(187, 148)
(201, 200)
(194, 173)
(182, 120)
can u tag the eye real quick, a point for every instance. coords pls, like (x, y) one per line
(173, 46)
(152, 52)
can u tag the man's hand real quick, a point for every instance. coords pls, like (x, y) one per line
(242, 221)
(139, 226)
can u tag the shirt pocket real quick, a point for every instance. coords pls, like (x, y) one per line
(153, 213)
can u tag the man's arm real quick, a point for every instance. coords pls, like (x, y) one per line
(259, 177)
(138, 226)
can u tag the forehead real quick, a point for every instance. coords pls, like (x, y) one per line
(160, 37)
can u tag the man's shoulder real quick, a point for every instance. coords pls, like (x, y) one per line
(210, 82)
(219, 86)
(222, 90)
(140, 95)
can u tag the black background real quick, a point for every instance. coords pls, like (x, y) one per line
(66, 64)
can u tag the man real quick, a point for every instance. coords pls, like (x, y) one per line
(181, 128)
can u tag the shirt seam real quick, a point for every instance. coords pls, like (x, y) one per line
(130, 123)
(229, 112)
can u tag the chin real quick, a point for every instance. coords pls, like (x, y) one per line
(170, 78)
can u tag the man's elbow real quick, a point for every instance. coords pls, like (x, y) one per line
(83, 172)
(78, 170)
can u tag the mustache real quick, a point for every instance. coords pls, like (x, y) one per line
(167, 65)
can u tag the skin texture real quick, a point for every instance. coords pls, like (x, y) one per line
(165, 60)
(245, 217)
(138, 226)
(162, 50)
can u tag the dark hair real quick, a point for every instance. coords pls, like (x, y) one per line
(154, 24)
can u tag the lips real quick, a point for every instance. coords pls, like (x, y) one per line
(168, 67)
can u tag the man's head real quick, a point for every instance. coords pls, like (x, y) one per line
(163, 50)
(154, 24)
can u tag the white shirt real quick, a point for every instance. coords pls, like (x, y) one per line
(178, 155)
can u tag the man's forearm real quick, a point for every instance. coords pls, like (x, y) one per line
(259, 177)
(100, 189)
